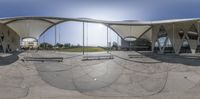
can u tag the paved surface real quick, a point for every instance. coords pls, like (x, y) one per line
(142, 76)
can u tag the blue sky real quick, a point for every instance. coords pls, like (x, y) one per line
(102, 9)
(98, 9)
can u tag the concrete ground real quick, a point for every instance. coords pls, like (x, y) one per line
(130, 75)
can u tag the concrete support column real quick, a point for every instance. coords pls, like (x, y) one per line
(165, 43)
(155, 31)
(185, 27)
(152, 46)
(193, 45)
(169, 28)
(177, 40)
(192, 42)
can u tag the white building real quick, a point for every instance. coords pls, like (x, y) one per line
(29, 43)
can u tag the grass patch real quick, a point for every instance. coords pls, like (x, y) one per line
(89, 49)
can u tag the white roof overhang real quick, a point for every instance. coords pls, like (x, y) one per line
(36, 26)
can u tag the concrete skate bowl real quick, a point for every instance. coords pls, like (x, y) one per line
(11, 83)
(117, 77)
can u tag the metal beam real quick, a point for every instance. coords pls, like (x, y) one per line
(145, 32)
(15, 20)
(51, 27)
(107, 41)
(55, 35)
(83, 47)
(114, 31)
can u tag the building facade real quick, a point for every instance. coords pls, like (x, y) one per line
(29, 43)
(179, 37)
(9, 39)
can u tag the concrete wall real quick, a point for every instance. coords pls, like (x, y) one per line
(9, 39)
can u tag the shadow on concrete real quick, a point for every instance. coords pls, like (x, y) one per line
(129, 59)
(6, 60)
(186, 59)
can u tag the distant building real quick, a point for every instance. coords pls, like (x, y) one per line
(29, 43)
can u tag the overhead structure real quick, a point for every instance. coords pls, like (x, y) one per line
(134, 31)
(36, 26)
(149, 30)
(29, 26)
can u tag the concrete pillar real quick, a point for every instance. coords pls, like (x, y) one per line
(177, 40)
(185, 26)
(155, 30)
(170, 34)
(173, 30)
(193, 43)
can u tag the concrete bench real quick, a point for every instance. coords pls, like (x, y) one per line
(135, 56)
(97, 57)
(42, 59)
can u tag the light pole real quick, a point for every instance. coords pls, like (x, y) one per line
(83, 47)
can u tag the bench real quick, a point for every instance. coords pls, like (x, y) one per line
(97, 57)
(135, 56)
(42, 59)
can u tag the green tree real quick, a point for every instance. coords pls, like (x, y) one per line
(67, 45)
(45, 45)
(58, 45)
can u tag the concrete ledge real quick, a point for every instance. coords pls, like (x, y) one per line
(97, 57)
(42, 59)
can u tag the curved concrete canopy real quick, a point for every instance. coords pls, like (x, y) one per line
(36, 26)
